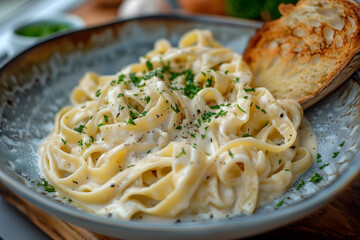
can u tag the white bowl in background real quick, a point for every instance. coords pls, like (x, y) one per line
(19, 42)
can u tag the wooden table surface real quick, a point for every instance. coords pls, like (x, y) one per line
(339, 219)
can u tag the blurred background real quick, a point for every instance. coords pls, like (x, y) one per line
(24, 22)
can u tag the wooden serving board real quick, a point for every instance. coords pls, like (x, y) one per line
(339, 219)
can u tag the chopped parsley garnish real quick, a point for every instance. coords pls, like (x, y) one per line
(231, 154)
(263, 110)
(325, 165)
(221, 113)
(300, 185)
(316, 178)
(176, 108)
(335, 154)
(47, 187)
(106, 119)
(280, 161)
(98, 92)
(120, 95)
(203, 136)
(318, 158)
(240, 108)
(249, 89)
(280, 203)
(112, 83)
(206, 116)
(130, 121)
(80, 129)
(236, 80)
(178, 127)
(132, 165)
(267, 122)
(257, 107)
(246, 135)
(64, 141)
(208, 82)
(246, 97)
(80, 143)
(134, 79)
(91, 140)
(144, 113)
(227, 71)
(147, 99)
(342, 144)
(190, 89)
(149, 65)
(181, 153)
(100, 124)
(134, 115)
(215, 107)
(121, 78)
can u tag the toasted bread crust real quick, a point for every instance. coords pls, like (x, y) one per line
(300, 55)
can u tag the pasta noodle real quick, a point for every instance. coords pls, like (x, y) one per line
(181, 133)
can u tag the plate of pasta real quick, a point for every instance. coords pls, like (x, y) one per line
(151, 127)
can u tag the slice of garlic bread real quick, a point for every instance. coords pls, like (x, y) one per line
(309, 51)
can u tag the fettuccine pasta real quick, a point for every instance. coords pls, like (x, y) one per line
(181, 133)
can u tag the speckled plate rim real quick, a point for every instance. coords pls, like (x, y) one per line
(253, 224)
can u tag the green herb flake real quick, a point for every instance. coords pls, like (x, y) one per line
(215, 107)
(227, 71)
(325, 165)
(100, 124)
(80, 143)
(147, 99)
(335, 154)
(249, 89)
(342, 144)
(80, 129)
(176, 108)
(231, 154)
(181, 153)
(318, 158)
(134, 115)
(144, 113)
(316, 178)
(98, 92)
(178, 127)
(279, 204)
(208, 82)
(280, 161)
(246, 135)
(120, 95)
(203, 136)
(121, 78)
(246, 97)
(106, 119)
(300, 185)
(236, 80)
(47, 187)
(130, 121)
(64, 141)
(222, 113)
(240, 108)
(149, 65)
(263, 110)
